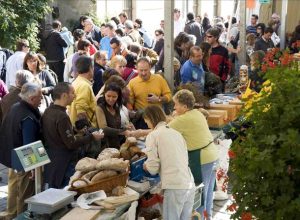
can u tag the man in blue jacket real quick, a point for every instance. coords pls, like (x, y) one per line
(192, 70)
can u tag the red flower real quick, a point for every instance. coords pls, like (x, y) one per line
(271, 64)
(220, 174)
(232, 207)
(231, 154)
(264, 68)
(246, 216)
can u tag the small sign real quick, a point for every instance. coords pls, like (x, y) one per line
(264, 1)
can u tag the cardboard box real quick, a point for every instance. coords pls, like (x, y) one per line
(231, 110)
(218, 112)
(80, 214)
(215, 121)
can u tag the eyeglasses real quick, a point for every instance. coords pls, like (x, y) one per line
(26, 46)
(157, 34)
(209, 36)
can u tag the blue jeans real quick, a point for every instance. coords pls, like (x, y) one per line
(178, 204)
(209, 178)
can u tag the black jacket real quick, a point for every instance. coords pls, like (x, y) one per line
(98, 82)
(54, 44)
(12, 133)
(194, 28)
(60, 143)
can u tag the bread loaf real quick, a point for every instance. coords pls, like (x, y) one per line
(86, 164)
(134, 150)
(103, 174)
(131, 141)
(79, 183)
(117, 164)
(108, 153)
(75, 176)
(125, 152)
(88, 176)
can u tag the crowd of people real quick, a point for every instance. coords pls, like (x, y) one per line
(100, 78)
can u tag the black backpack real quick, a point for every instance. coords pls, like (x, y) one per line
(4, 55)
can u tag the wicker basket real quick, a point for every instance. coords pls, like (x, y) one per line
(107, 184)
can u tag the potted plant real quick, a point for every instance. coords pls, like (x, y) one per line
(265, 157)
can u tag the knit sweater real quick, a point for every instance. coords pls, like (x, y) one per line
(167, 155)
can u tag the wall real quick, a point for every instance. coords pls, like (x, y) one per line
(71, 10)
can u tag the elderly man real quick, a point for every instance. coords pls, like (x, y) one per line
(133, 34)
(22, 77)
(59, 139)
(192, 70)
(92, 31)
(15, 62)
(20, 126)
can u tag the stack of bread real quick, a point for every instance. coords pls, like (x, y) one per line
(130, 151)
(108, 164)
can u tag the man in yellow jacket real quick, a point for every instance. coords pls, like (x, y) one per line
(84, 104)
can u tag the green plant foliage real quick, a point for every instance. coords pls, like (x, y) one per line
(20, 19)
(267, 162)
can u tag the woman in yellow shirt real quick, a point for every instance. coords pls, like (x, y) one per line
(203, 155)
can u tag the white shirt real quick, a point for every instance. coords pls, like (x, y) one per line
(178, 27)
(167, 154)
(13, 64)
(68, 69)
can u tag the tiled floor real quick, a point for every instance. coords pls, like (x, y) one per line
(220, 212)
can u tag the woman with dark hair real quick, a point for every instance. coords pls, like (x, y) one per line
(206, 50)
(109, 117)
(182, 45)
(260, 29)
(167, 155)
(42, 77)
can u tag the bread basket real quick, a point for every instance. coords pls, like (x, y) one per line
(107, 184)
